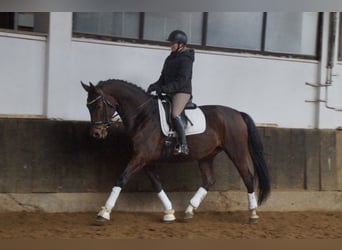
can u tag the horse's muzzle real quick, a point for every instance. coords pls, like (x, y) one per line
(99, 132)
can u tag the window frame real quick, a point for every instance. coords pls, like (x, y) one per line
(204, 46)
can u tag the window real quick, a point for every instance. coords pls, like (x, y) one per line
(117, 24)
(25, 21)
(292, 34)
(157, 26)
(6, 20)
(235, 30)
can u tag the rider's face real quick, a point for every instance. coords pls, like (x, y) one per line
(174, 46)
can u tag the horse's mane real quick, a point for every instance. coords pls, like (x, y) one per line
(127, 84)
(147, 113)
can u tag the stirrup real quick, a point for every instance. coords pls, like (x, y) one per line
(181, 149)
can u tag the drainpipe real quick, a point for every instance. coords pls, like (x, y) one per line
(328, 60)
(332, 56)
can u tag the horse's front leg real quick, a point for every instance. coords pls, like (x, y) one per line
(207, 181)
(156, 183)
(133, 166)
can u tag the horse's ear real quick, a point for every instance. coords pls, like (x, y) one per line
(86, 87)
(91, 85)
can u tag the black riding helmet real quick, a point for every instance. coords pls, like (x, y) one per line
(178, 36)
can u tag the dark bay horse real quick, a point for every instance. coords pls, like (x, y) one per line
(229, 130)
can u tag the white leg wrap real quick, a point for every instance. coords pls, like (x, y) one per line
(110, 203)
(168, 211)
(252, 203)
(198, 197)
(112, 198)
(165, 200)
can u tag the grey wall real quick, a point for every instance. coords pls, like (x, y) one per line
(59, 156)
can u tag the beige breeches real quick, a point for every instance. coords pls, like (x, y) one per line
(179, 101)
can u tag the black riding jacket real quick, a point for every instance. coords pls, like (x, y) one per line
(177, 73)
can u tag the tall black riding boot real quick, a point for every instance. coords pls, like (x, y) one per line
(182, 147)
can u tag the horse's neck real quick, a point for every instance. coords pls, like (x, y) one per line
(130, 100)
(129, 105)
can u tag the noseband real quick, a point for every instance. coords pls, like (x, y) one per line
(105, 121)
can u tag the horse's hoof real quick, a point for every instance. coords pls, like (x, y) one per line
(103, 215)
(253, 220)
(253, 217)
(169, 216)
(188, 216)
(168, 222)
(100, 219)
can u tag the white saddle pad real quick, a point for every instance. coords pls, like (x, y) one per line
(196, 116)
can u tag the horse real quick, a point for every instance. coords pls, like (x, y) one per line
(227, 130)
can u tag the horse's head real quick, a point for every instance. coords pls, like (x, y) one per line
(102, 108)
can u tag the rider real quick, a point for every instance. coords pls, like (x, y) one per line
(175, 81)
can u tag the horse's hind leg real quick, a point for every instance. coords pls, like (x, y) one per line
(156, 183)
(208, 180)
(242, 163)
(248, 180)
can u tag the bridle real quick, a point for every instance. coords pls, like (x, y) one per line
(105, 121)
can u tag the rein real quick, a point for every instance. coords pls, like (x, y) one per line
(141, 106)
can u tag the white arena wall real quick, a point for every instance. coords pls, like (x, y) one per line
(22, 74)
(41, 76)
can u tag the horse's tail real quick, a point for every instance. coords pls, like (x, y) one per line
(257, 154)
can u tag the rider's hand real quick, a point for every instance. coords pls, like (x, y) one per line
(151, 88)
(158, 90)
(154, 87)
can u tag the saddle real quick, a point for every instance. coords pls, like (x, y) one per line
(192, 117)
(167, 104)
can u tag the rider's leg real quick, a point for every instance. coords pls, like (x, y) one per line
(179, 101)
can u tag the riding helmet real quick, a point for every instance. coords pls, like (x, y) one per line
(178, 36)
